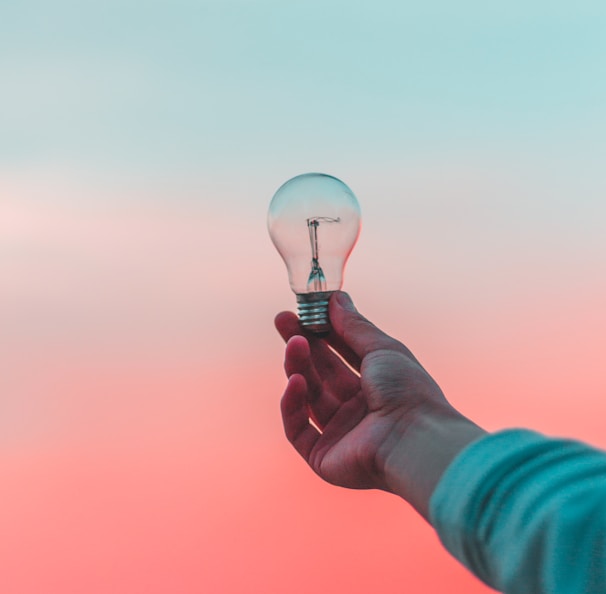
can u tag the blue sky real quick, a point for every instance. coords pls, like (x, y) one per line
(471, 129)
(208, 87)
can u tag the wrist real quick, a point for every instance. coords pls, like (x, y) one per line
(423, 446)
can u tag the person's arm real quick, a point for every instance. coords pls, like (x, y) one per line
(379, 421)
(524, 513)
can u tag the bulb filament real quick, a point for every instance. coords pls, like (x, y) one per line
(317, 280)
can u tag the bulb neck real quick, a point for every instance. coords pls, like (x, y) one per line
(313, 311)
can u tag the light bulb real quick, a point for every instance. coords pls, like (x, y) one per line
(314, 222)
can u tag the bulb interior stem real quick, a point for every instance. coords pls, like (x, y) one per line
(317, 280)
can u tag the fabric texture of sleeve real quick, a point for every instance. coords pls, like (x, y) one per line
(526, 514)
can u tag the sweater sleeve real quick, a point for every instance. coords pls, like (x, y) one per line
(526, 514)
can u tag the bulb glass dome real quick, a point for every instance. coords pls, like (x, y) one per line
(314, 222)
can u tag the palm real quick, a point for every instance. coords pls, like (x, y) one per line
(352, 415)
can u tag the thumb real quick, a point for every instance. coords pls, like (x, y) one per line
(354, 330)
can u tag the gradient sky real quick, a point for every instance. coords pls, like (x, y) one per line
(141, 447)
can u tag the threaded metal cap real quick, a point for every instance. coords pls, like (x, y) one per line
(313, 311)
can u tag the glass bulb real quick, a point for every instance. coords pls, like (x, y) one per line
(314, 222)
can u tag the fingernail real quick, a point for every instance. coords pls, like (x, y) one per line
(344, 300)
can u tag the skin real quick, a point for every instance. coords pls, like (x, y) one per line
(361, 410)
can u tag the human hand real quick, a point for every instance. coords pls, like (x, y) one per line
(368, 412)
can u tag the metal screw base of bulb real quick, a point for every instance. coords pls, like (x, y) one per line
(313, 311)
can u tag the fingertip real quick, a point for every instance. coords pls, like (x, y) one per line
(341, 310)
(353, 330)
(294, 394)
(287, 324)
(284, 317)
(297, 383)
(297, 342)
(296, 358)
(344, 301)
(295, 417)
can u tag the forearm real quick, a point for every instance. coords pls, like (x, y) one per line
(421, 450)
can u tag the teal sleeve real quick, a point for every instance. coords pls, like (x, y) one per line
(526, 514)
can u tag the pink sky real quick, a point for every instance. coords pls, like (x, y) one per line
(141, 446)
